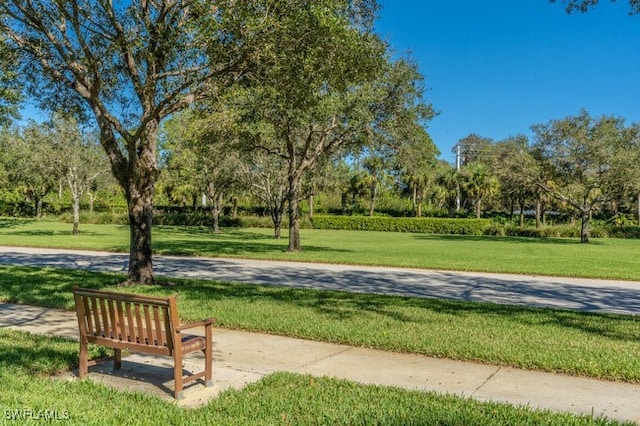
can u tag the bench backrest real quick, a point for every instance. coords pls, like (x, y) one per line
(127, 320)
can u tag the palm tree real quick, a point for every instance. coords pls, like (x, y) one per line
(479, 184)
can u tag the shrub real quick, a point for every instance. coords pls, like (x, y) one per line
(625, 231)
(402, 224)
(102, 218)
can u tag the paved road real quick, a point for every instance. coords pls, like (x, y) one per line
(578, 294)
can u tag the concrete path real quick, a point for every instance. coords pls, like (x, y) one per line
(241, 358)
(567, 293)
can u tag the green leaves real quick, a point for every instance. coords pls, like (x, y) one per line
(10, 93)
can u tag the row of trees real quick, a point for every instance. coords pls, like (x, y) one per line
(38, 159)
(584, 164)
(576, 166)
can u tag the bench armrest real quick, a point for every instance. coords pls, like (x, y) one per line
(205, 322)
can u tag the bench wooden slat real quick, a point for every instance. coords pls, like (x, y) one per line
(156, 326)
(149, 331)
(122, 324)
(130, 319)
(104, 316)
(141, 335)
(113, 324)
(167, 326)
(85, 305)
(140, 323)
(93, 303)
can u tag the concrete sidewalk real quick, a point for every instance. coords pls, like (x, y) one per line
(241, 358)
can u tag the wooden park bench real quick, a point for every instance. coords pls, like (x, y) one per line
(142, 324)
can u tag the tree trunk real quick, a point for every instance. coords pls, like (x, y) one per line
(538, 213)
(311, 206)
(479, 209)
(234, 209)
(639, 209)
(414, 199)
(140, 206)
(276, 217)
(511, 208)
(76, 214)
(294, 216)
(38, 207)
(216, 209)
(521, 214)
(92, 200)
(138, 179)
(215, 215)
(374, 196)
(584, 227)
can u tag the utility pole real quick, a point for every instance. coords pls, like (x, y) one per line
(458, 151)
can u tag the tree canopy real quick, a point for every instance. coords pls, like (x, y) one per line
(9, 86)
(585, 5)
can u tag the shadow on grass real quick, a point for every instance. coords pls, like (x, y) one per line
(205, 232)
(52, 287)
(212, 247)
(10, 222)
(52, 233)
(516, 240)
(342, 306)
(21, 357)
(35, 354)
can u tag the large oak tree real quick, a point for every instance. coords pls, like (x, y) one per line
(128, 65)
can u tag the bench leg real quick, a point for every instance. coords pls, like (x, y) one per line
(117, 359)
(177, 375)
(208, 357)
(83, 368)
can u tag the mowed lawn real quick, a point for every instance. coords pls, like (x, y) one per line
(602, 258)
(576, 343)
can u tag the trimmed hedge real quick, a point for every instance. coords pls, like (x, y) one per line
(563, 231)
(424, 225)
(625, 231)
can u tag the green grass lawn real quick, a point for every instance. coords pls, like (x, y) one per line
(602, 258)
(27, 361)
(593, 345)
(577, 343)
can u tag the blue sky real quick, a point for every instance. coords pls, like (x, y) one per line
(497, 67)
